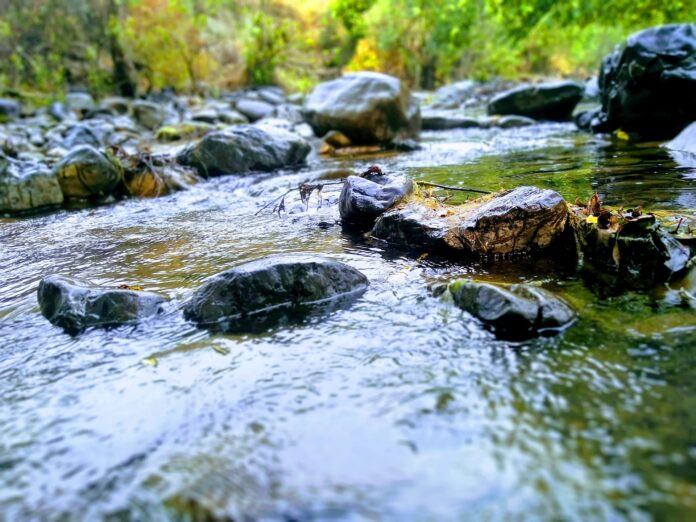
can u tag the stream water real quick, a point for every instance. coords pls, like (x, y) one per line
(401, 407)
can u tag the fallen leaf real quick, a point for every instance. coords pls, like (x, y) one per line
(137, 288)
(150, 361)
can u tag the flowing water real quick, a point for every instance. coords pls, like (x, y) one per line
(401, 407)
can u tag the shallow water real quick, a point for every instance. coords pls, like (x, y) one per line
(401, 407)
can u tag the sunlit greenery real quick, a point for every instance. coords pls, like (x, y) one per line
(193, 45)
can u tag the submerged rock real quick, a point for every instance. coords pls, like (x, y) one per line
(546, 101)
(368, 107)
(517, 312)
(27, 186)
(363, 199)
(85, 172)
(245, 148)
(522, 220)
(74, 306)
(637, 254)
(273, 290)
(647, 85)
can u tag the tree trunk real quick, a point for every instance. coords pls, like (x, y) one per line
(123, 74)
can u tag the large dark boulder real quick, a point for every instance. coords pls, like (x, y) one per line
(363, 199)
(74, 306)
(273, 290)
(86, 172)
(245, 148)
(27, 186)
(545, 101)
(515, 313)
(523, 220)
(368, 107)
(647, 85)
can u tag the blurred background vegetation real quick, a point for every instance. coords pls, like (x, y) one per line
(124, 46)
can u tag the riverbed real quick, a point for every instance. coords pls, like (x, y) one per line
(402, 407)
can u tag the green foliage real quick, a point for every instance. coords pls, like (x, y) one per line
(192, 45)
(267, 40)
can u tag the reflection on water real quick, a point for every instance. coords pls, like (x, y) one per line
(399, 407)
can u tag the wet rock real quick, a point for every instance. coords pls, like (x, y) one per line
(445, 120)
(515, 313)
(74, 305)
(79, 102)
(272, 95)
(149, 114)
(288, 112)
(364, 199)
(208, 115)
(85, 172)
(9, 109)
(59, 111)
(337, 139)
(369, 108)
(273, 290)
(80, 134)
(245, 148)
(519, 221)
(254, 110)
(545, 101)
(232, 117)
(685, 141)
(637, 254)
(27, 186)
(115, 105)
(145, 183)
(647, 85)
(454, 95)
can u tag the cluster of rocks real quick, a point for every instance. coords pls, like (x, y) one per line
(83, 149)
(254, 296)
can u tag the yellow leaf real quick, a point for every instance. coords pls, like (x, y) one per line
(591, 219)
(150, 361)
(622, 135)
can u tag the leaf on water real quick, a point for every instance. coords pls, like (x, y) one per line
(622, 135)
(221, 350)
(136, 288)
(422, 257)
(150, 361)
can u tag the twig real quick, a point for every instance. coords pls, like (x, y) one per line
(462, 189)
(273, 201)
